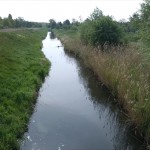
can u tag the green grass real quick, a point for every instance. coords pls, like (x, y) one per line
(124, 70)
(23, 67)
(72, 33)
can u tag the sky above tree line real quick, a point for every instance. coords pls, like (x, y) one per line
(60, 10)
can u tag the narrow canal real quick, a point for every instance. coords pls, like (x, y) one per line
(74, 111)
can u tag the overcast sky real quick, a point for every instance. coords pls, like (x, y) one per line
(60, 10)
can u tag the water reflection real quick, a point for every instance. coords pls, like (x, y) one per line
(113, 121)
(52, 35)
(73, 110)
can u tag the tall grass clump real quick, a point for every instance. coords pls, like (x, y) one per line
(124, 70)
(23, 66)
(119, 55)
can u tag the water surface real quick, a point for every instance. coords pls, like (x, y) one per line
(74, 111)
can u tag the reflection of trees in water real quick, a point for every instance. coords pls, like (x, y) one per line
(52, 35)
(114, 122)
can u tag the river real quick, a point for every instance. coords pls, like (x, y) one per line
(74, 111)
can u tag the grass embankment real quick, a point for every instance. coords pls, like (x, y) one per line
(124, 70)
(23, 66)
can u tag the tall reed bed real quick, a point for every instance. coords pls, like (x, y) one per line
(124, 71)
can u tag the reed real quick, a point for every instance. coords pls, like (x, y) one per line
(125, 71)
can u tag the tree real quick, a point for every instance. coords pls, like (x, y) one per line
(10, 20)
(59, 25)
(145, 19)
(96, 14)
(75, 22)
(6, 23)
(135, 21)
(86, 30)
(66, 23)
(20, 22)
(52, 23)
(145, 11)
(101, 31)
(10, 17)
(1, 23)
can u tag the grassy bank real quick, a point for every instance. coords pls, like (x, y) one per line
(124, 70)
(23, 67)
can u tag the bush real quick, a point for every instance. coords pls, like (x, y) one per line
(86, 30)
(100, 31)
(145, 34)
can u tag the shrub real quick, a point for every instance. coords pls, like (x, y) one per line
(101, 31)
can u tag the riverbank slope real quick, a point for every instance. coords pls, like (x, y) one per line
(23, 67)
(124, 70)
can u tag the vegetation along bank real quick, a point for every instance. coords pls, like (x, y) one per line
(119, 55)
(23, 67)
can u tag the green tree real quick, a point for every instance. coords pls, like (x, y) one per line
(96, 14)
(6, 23)
(52, 23)
(145, 18)
(86, 29)
(59, 25)
(10, 17)
(66, 24)
(101, 31)
(1, 23)
(145, 11)
(20, 22)
(75, 22)
(135, 21)
(10, 20)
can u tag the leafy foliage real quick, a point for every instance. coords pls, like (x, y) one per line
(145, 17)
(97, 13)
(100, 31)
(52, 23)
(141, 22)
(135, 22)
(9, 22)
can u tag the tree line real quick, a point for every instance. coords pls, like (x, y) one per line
(99, 29)
(19, 22)
(63, 25)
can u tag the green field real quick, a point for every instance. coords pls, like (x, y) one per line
(23, 67)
